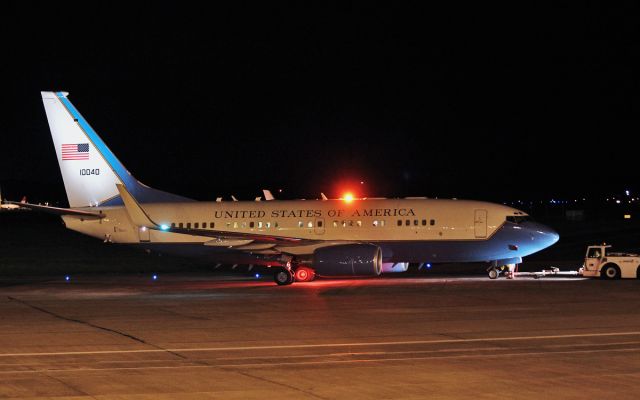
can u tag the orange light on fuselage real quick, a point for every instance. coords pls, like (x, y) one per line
(348, 197)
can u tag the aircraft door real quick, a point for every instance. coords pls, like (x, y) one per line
(480, 223)
(319, 226)
(143, 234)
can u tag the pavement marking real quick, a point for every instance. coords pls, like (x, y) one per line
(326, 345)
(311, 363)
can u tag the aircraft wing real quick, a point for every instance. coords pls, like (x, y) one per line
(58, 210)
(226, 235)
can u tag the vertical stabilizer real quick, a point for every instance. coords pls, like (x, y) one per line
(90, 170)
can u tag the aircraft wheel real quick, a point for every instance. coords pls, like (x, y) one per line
(493, 273)
(610, 271)
(283, 277)
(304, 274)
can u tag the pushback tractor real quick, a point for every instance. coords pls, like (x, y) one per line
(603, 263)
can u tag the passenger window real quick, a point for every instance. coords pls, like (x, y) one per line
(259, 224)
(319, 224)
(375, 223)
(432, 222)
(212, 225)
(251, 224)
(180, 225)
(415, 222)
(424, 222)
(235, 224)
(244, 225)
(300, 224)
(335, 224)
(309, 224)
(407, 222)
(275, 224)
(399, 222)
(173, 224)
(188, 225)
(359, 223)
(196, 225)
(268, 225)
(381, 222)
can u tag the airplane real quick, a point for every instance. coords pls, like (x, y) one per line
(297, 239)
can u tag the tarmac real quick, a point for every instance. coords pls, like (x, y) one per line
(203, 335)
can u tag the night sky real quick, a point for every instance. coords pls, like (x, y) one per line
(514, 101)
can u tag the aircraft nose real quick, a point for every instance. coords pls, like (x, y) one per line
(545, 235)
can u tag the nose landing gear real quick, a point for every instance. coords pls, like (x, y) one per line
(508, 270)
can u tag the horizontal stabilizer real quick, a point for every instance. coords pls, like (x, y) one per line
(58, 210)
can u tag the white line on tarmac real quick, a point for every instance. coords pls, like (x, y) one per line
(357, 361)
(328, 345)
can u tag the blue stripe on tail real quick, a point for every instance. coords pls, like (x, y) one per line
(142, 193)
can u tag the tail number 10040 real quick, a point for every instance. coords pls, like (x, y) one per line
(87, 171)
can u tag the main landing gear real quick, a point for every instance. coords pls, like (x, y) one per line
(283, 277)
(287, 275)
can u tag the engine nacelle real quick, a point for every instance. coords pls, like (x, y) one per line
(395, 267)
(348, 260)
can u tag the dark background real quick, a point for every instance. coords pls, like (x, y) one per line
(515, 101)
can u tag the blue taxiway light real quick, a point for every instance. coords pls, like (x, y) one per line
(154, 277)
(428, 265)
(67, 278)
(257, 276)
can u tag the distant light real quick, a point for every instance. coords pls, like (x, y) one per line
(164, 227)
(627, 216)
(626, 192)
(348, 197)
(143, 229)
(67, 278)
(617, 201)
(257, 276)
(362, 182)
(154, 277)
(428, 265)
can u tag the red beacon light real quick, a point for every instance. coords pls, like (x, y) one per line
(348, 197)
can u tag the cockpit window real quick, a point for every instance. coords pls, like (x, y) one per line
(518, 219)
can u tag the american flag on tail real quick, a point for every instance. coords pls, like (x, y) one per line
(75, 151)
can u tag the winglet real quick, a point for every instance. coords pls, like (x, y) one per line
(138, 216)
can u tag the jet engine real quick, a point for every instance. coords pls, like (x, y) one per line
(348, 260)
(395, 267)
